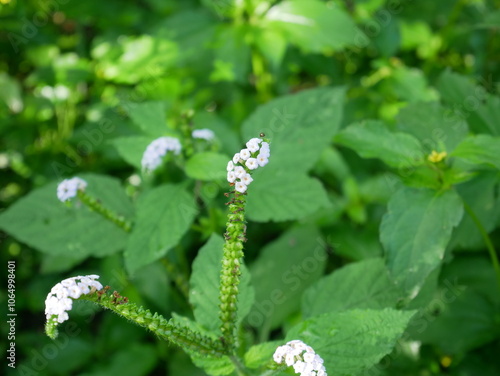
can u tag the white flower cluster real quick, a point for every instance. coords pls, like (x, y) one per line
(68, 188)
(256, 154)
(302, 357)
(204, 134)
(58, 300)
(157, 149)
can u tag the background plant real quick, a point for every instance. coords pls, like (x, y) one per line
(355, 213)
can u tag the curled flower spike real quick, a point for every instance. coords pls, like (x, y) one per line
(157, 149)
(301, 357)
(204, 134)
(59, 300)
(68, 188)
(255, 155)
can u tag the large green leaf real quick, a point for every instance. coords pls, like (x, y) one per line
(372, 139)
(283, 271)
(481, 149)
(428, 122)
(259, 355)
(164, 214)
(364, 284)
(314, 26)
(300, 126)
(130, 59)
(132, 148)
(232, 54)
(471, 102)
(282, 196)
(415, 232)
(352, 341)
(40, 220)
(207, 166)
(481, 195)
(149, 116)
(205, 282)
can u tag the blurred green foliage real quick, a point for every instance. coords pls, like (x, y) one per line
(85, 86)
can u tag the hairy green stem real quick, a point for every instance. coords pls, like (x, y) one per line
(96, 206)
(486, 238)
(230, 272)
(166, 329)
(240, 368)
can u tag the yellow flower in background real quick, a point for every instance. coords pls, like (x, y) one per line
(436, 157)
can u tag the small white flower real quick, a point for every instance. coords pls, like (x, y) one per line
(289, 359)
(251, 163)
(252, 146)
(236, 158)
(74, 292)
(239, 172)
(68, 188)
(58, 300)
(231, 177)
(246, 179)
(230, 166)
(264, 149)
(299, 366)
(157, 149)
(205, 134)
(244, 154)
(254, 140)
(240, 187)
(302, 357)
(308, 357)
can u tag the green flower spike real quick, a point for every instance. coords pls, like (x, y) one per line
(75, 187)
(239, 169)
(60, 299)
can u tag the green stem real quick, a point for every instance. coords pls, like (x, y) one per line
(240, 368)
(163, 328)
(486, 238)
(96, 206)
(230, 272)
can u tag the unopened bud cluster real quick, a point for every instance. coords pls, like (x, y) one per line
(301, 357)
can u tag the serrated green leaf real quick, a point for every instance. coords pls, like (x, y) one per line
(471, 102)
(481, 149)
(364, 284)
(300, 126)
(261, 354)
(131, 149)
(415, 232)
(43, 222)
(205, 281)
(480, 194)
(467, 321)
(352, 341)
(283, 271)
(149, 116)
(372, 139)
(207, 166)
(313, 25)
(279, 196)
(164, 214)
(428, 122)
